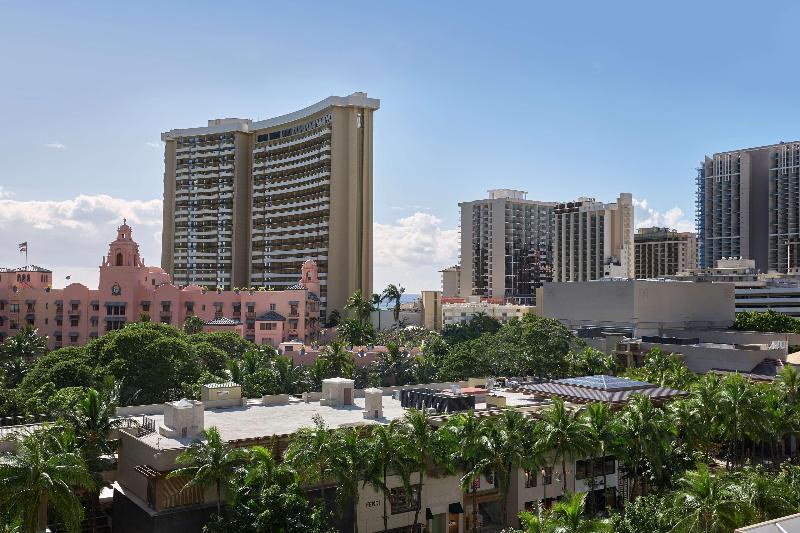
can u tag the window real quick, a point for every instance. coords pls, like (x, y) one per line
(402, 501)
(272, 307)
(73, 322)
(14, 308)
(530, 478)
(266, 326)
(115, 324)
(145, 306)
(602, 466)
(115, 309)
(547, 476)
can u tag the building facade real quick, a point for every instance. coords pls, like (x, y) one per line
(506, 246)
(451, 281)
(129, 290)
(647, 307)
(247, 203)
(593, 240)
(755, 291)
(462, 310)
(663, 252)
(431, 310)
(747, 206)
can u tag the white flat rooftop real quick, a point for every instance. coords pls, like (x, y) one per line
(256, 420)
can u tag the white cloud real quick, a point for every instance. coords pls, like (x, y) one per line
(412, 251)
(155, 145)
(673, 218)
(5, 194)
(56, 146)
(71, 236)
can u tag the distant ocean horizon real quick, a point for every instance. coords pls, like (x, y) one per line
(404, 299)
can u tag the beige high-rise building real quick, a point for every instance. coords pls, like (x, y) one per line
(747, 206)
(246, 203)
(663, 252)
(451, 281)
(506, 246)
(593, 240)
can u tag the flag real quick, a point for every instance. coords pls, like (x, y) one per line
(23, 247)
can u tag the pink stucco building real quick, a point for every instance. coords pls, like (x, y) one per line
(128, 289)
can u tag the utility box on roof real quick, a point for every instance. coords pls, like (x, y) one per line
(373, 403)
(211, 392)
(337, 392)
(183, 418)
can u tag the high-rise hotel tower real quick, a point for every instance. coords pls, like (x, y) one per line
(594, 240)
(748, 205)
(246, 203)
(506, 246)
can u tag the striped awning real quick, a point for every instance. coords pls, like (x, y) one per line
(584, 394)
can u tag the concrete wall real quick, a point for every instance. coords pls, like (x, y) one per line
(702, 358)
(732, 336)
(597, 303)
(650, 306)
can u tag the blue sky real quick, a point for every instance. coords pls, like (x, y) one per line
(558, 99)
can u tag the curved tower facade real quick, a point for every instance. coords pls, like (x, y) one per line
(247, 203)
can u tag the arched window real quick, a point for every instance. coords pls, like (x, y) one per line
(308, 276)
(119, 259)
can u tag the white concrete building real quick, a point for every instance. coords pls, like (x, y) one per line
(461, 313)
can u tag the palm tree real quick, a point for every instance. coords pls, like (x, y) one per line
(388, 453)
(292, 378)
(766, 497)
(642, 438)
(210, 463)
(394, 293)
(565, 434)
(740, 412)
(705, 410)
(568, 516)
(536, 522)
(26, 344)
(422, 437)
(311, 452)
(348, 467)
(507, 448)
(92, 419)
(360, 306)
(788, 381)
(338, 360)
(377, 300)
(262, 470)
(601, 429)
(41, 475)
(707, 505)
(393, 365)
(19, 351)
(464, 437)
